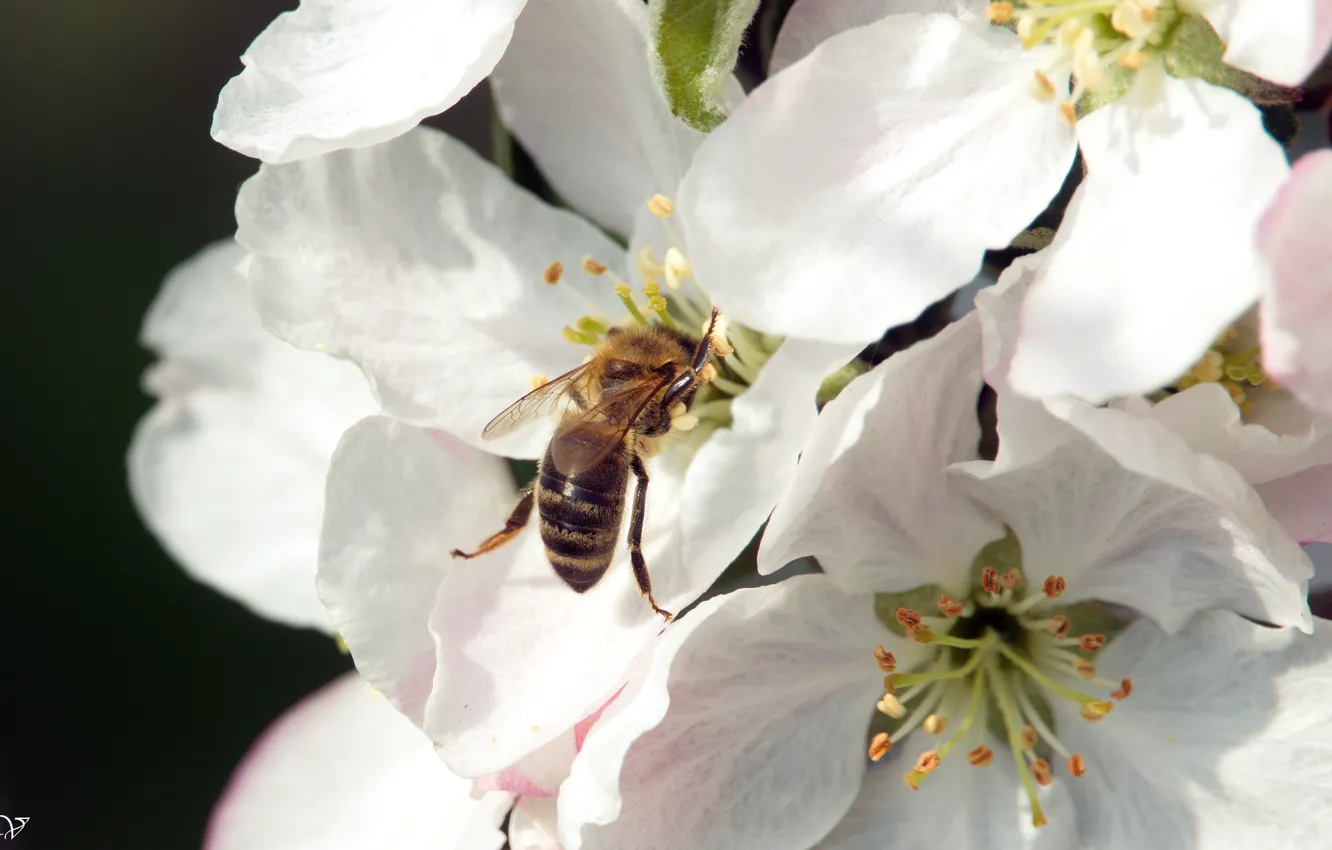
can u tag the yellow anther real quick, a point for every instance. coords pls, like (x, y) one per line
(1068, 113)
(1094, 710)
(623, 290)
(684, 422)
(891, 706)
(539, 380)
(1000, 13)
(591, 266)
(1132, 61)
(879, 746)
(1040, 87)
(661, 206)
(708, 373)
(1076, 765)
(1131, 19)
(912, 779)
(1089, 71)
(676, 267)
(920, 634)
(552, 273)
(1084, 668)
(935, 724)
(651, 288)
(1073, 36)
(657, 303)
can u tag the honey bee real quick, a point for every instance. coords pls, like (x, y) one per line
(627, 393)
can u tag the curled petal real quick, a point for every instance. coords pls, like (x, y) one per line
(1279, 40)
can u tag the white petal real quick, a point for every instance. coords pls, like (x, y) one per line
(872, 500)
(1295, 236)
(420, 262)
(958, 806)
(532, 825)
(399, 499)
(1226, 740)
(344, 771)
(228, 469)
(1155, 256)
(576, 90)
(1280, 40)
(1126, 512)
(749, 731)
(906, 147)
(1300, 503)
(333, 75)
(810, 22)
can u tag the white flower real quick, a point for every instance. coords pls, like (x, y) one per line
(421, 263)
(343, 771)
(228, 468)
(1223, 406)
(910, 144)
(335, 74)
(753, 732)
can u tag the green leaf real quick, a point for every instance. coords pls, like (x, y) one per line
(694, 47)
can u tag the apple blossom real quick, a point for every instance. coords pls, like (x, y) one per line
(986, 591)
(452, 289)
(913, 135)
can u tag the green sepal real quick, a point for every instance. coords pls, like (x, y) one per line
(695, 44)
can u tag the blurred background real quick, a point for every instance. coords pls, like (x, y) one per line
(129, 691)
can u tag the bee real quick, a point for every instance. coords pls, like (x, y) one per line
(636, 381)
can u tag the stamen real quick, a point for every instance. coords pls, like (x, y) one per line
(1125, 688)
(677, 267)
(591, 266)
(661, 206)
(999, 690)
(579, 337)
(1040, 87)
(923, 634)
(887, 663)
(1041, 676)
(1084, 668)
(891, 706)
(1058, 625)
(552, 273)
(1053, 587)
(627, 298)
(1091, 643)
(1093, 711)
(1068, 113)
(935, 724)
(950, 607)
(990, 581)
(1028, 738)
(1076, 766)
(1133, 61)
(720, 343)
(980, 756)
(1037, 722)
(904, 679)
(1000, 13)
(588, 324)
(539, 380)
(879, 746)
(708, 374)
(1040, 769)
(1010, 579)
(908, 618)
(928, 761)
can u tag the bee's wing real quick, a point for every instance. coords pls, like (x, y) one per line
(540, 402)
(585, 442)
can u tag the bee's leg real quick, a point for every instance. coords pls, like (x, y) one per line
(514, 524)
(636, 537)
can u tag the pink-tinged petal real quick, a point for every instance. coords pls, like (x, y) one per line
(343, 771)
(576, 90)
(1225, 742)
(1302, 503)
(908, 419)
(1295, 236)
(1153, 160)
(1279, 40)
(228, 469)
(398, 500)
(810, 22)
(333, 75)
(421, 263)
(532, 826)
(749, 728)
(888, 139)
(1126, 512)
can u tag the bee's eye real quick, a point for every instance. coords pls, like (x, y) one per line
(621, 369)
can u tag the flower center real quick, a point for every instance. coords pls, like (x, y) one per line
(1234, 361)
(1099, 43)
(999, 657)
(738, 352)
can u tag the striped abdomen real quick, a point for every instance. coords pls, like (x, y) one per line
(580, 517)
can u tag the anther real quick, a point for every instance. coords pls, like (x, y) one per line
(591, 266)
(1041, 772)
(980, 756)
(1027, 739)
(1000, 13)
(1058, 625)
(1011, 579)
(661, 206)
(891, 706)
(1094, 710)
(920, 634)
(552, 273)
(677, 267)
(1076, 766)
(948, 606)
(539, 380)
(908, 617)
(1053, 587)
(935, 724)
(651, 288)
(1068, 113)
(708, 373)
(887, 663)
(623, 290)
(1125, 688)
(1091, 643)
(1041, 87)
(927, 762)
(990, 580)
(1084, 668)
(1132, 61)
(879, 746)
(657, 303)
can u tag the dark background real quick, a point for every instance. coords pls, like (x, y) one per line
(127, 691)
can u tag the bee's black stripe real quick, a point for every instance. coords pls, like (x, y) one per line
(553, 481)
